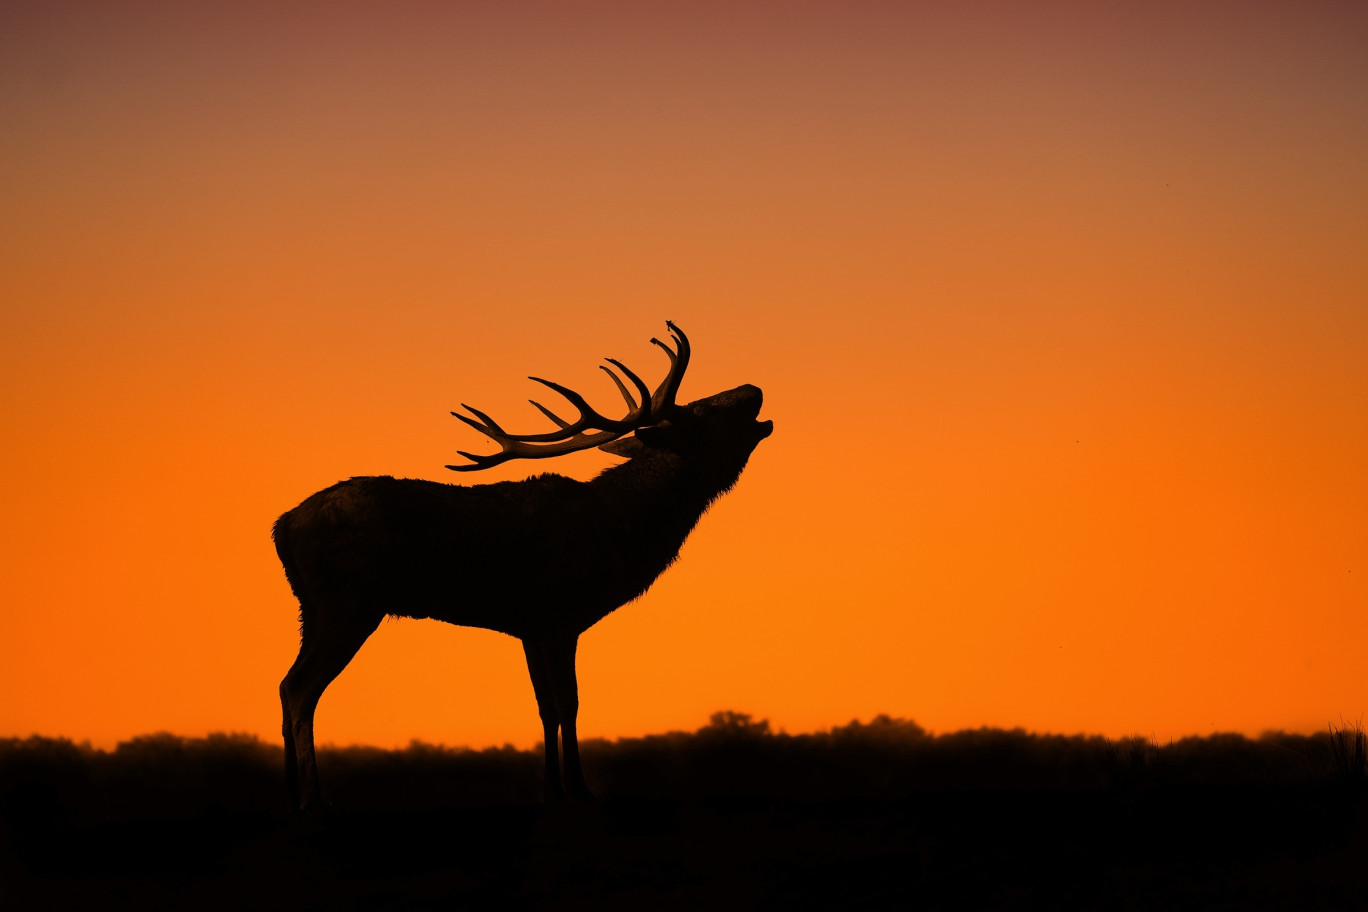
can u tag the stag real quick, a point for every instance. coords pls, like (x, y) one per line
(542, 559)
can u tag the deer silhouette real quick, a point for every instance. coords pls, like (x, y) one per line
(542, 560)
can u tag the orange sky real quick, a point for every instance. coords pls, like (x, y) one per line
(1061, 313)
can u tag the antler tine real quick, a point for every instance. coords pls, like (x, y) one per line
(663, 399)
(490, 428)
(511, 448)
(642, 389)
(560, 422)
(477, 461)
(588, 418)
(590, 429)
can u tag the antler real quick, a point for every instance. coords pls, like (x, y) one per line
(663, 399)
(590, 429)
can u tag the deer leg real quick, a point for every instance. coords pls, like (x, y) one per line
(325, 649)
(565, 693)
(291, 757)
(537, 668)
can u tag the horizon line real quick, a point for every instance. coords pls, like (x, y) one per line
(721, 720)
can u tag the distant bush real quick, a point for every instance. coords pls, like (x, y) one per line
(47, 783)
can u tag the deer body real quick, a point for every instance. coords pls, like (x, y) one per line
(542, 559)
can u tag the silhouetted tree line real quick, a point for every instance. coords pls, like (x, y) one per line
(870, 815)
(46, 782)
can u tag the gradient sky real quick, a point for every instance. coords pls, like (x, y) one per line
(1060, 310)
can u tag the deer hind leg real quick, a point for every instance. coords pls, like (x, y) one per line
(326, 646)
(291, 756)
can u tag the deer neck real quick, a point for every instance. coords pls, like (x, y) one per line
(655, 499)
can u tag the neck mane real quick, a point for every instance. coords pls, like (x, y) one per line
(656, 499)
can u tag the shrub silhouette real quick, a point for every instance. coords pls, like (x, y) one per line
(46, 780)
(866, 815)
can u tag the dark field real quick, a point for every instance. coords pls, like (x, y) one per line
(733, 816)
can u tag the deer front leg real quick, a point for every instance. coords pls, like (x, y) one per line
(537, 668)
(565, 692)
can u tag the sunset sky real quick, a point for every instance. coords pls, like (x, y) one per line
(1060, 311)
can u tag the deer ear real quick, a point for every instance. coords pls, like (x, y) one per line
(624, 446)
(657, 436)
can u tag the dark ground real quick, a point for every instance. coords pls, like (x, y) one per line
(733, 816)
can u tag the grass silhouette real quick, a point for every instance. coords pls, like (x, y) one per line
(1349, 756)
(866, 815)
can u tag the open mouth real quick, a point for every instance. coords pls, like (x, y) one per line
(764, 427)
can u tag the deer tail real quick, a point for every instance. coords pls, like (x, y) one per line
(280, 534)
